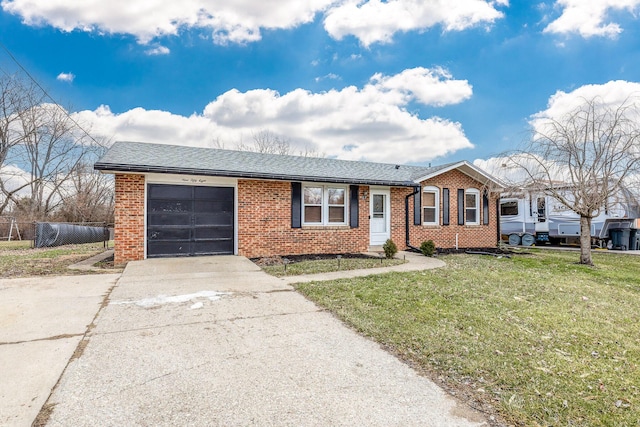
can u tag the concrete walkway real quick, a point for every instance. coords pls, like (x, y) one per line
(215, 341)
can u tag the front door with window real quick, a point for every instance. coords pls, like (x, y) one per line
(380, 224)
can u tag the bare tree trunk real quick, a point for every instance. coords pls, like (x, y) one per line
(585, 240)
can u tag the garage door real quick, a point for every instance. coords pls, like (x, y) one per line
(189, 220)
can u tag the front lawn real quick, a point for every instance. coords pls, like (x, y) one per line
(312, 264)
(538, 338)
(17, 259)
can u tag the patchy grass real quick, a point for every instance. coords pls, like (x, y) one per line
(26, 262)
(536, 338)
(314, 266)
(15, 245)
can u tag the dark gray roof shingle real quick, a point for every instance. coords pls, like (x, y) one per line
(161, 158)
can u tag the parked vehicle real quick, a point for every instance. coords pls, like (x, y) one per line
(530, 217)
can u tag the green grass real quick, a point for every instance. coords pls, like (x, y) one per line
(542, 340)
(17, 259)
(328, 265)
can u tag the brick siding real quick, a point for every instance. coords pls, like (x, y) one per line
(264, 220)
(444, 236)
(129, 218)
(264, 224)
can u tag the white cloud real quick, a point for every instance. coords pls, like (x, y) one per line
(376, 21)
(588, 18)
(369, 123)
(237, 21)
(66, 77)
(513, 170)
(330, 76)
(241, 21)
(613, 93)
(158, 50)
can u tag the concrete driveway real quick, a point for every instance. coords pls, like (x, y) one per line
(42, 320)
(215, 341)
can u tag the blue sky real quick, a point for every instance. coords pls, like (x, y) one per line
(397, 81)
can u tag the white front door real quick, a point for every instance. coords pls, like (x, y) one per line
(380, 218)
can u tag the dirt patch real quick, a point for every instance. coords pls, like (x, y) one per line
(106, 263)
(43, 416)
(80, 349)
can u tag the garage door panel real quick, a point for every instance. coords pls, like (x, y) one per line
(183, 192)
(174, 248)
(169, 219)
(170, 206)
(213, 233)
(213, 206)
(219, 219)
(164, 233)
(190, 220)
(214, 193)
(213, 247)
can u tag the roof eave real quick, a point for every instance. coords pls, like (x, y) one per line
(115, 168)
(486, 177)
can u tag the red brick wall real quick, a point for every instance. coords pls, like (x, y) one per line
(264, 224)
(129, 218)
(264, 221)
(444, 236)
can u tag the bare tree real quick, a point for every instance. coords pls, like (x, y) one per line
(87, 196)
(584, 158)
(17, 97)
(52, 149)
(268, 142)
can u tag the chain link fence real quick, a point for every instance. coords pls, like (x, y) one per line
(49, 234)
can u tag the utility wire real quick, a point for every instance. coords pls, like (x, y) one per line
(64, 111)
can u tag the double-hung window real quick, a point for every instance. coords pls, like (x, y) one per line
(472, 206)
(324, 205)
(430, 206)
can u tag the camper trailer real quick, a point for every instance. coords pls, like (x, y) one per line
(532, 217)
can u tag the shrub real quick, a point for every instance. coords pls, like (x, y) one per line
(428, 248)
(390, 248)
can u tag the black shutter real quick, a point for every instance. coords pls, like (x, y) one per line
(460, 206)
(445, 206)
(417, 206)
(296, 205)
(485, 209)
(353, 206)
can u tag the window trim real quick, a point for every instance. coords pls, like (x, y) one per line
(324, 205)
(436, 192)
(475, 192)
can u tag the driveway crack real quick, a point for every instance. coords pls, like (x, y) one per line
(53, 338)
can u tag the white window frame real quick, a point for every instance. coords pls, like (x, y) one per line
(325, 204)
(436, 191)
(475, 192)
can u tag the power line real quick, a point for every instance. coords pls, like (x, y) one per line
(64, 111)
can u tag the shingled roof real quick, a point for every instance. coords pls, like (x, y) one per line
(161, 158)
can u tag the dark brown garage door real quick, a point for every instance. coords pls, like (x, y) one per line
(189, 220)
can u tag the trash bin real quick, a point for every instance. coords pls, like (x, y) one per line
(620, 238)
(634, 240)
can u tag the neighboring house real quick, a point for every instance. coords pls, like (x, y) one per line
(181, 201)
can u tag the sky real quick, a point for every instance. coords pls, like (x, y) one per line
(397, 81)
